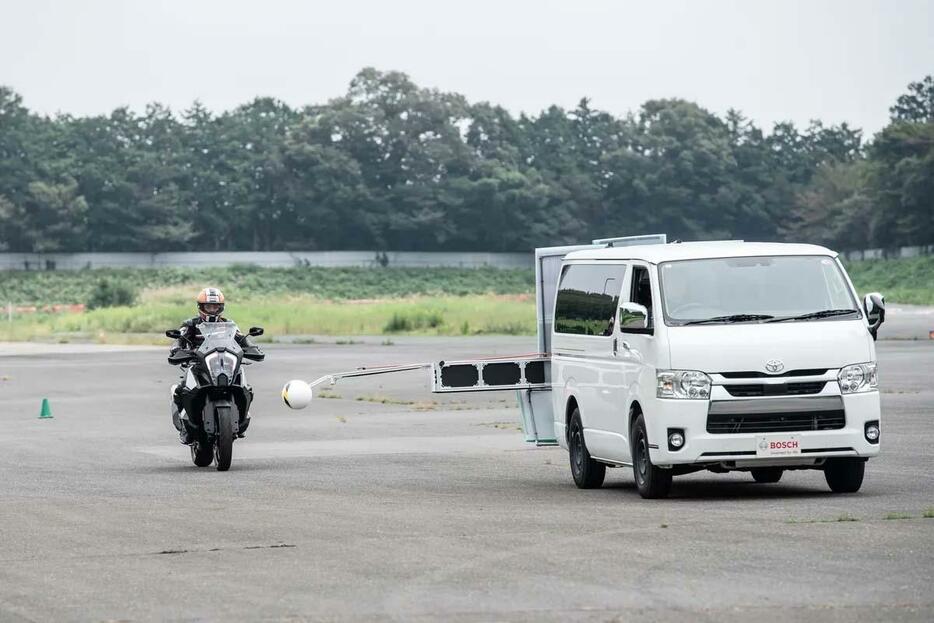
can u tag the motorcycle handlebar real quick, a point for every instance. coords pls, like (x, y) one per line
(180, 357)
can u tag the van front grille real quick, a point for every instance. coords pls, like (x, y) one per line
(723, 424)
(776, 415)
(762, 375)
(752, 390)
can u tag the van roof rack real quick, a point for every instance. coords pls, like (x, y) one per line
(631, 241)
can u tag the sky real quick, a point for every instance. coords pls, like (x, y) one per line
(790, 60)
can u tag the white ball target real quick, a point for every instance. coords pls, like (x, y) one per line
(296, 394)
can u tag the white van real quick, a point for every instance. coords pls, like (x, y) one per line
(674, 358)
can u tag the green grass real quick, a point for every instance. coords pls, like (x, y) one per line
(294, 316)
(335, 301)
(928, 513)
(246, 282)
(891, 516)
(901, 281)
(285, 301)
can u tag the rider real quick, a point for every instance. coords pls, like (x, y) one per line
(210, 307)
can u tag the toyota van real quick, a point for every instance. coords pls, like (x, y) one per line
(720, 356)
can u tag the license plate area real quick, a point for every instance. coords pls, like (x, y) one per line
(778, 445)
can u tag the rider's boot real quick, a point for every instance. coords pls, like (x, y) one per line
(177, 418)
(245, 422)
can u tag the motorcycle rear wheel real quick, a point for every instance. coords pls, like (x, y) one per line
(223, 445)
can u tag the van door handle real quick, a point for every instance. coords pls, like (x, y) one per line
(626, 346)
(615, 349)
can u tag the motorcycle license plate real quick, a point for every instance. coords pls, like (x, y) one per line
(778, 445)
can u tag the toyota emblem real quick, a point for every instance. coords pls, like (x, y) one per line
(774, 366)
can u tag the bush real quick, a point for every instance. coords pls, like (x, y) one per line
(404, 322)
(397, 324)
(111, 294)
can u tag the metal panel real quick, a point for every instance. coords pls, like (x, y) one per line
(538, 421)
(485, 375)
(632, 241)
(547, 270)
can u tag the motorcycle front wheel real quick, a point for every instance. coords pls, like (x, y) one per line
(223, 446)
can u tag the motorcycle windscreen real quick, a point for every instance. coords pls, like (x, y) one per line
(218, 335)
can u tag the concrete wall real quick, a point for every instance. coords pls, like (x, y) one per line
(76, 261)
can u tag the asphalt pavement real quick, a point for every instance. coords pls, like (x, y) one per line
(386, 502)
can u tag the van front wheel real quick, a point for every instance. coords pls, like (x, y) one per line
(587, 473)
(651, 480)
(844, 475)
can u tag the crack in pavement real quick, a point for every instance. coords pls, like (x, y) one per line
(221, 549)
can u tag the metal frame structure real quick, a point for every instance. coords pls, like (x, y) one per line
(529, 375)
(507, 372)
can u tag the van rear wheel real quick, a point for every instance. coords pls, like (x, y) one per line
(844, 475)
(651, 480)
(587, 473)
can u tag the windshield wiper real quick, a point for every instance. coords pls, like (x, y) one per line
(824, 313)
(732, 318)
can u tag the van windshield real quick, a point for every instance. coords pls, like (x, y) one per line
(791, 288)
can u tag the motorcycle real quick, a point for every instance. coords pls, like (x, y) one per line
(215, 397)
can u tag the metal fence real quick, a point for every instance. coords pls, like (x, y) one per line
(78, 261)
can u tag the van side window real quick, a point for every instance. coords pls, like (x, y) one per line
(641, 291)
(588, 296)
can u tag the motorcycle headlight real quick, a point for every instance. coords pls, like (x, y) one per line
(221, 364)
(686, 384)
(859, 377)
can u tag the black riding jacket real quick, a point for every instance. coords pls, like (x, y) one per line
(191, 338)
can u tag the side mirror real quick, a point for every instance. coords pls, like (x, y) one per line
(256, 331)
(874, 303)
(173, 333)
(633, 318)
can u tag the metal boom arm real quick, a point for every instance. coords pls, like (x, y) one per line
(470, 375)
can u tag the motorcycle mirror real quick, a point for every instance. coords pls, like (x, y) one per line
(173, 333)
(874, 304)
(256, 331)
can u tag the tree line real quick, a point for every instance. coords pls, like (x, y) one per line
(394, 166)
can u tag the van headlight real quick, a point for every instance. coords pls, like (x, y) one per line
(687, 384)
(859, 377)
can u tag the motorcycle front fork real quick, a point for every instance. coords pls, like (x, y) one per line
(178, 419)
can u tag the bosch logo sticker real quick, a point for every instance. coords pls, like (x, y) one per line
(775, 445)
